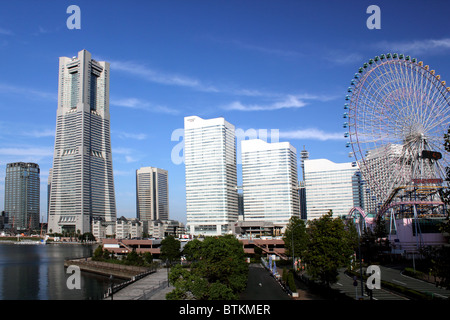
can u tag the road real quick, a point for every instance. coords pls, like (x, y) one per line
(395, 276)
(262, 286)
(345, 285)
(392, 275)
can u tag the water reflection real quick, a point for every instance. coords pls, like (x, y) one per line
(36, 272)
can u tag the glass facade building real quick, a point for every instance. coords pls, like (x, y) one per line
(82, 185)
(331, 186)
(152, 194)
(211, 177)
(22, 196)
(269, 181)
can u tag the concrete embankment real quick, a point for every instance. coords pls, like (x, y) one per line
(108, 269)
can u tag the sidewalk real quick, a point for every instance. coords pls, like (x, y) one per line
(152, 287)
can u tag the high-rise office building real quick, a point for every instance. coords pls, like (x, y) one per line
(304, 155)
(152, 194)
(331, 186)
(22, 195)
(82, 186)
(211, 178)
(269, 181)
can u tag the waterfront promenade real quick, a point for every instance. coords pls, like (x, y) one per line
(151, 287)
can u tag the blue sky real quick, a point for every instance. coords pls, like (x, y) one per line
(263, 65)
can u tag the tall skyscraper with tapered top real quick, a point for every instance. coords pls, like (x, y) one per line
(82, 185)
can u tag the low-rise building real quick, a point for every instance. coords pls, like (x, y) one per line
(128, 228)
(124, 246)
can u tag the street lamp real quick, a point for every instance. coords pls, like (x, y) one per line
(359, 249)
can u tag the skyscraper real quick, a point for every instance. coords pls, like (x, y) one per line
(152, 194)
(304, 155)
(211, 178)
(331, 186)
(22, 192)
(82, 186)
(269, 181)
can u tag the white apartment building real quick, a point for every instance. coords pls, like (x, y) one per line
(269, 181)
(128, 228)
(331, 186)
(211, 178)
(152, 194)
(162, 228)
(82, 185)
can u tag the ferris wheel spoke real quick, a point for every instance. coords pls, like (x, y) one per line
(439, 114)
(397, 109)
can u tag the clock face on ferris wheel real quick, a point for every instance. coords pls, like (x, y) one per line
(397, 112)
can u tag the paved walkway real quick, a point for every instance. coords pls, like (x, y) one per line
(152, 287)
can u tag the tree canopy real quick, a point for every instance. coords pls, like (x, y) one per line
(330, 247)
(295, 236)
(217, 271)
(170, 249)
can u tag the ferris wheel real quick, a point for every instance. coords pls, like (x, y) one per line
(397, 111)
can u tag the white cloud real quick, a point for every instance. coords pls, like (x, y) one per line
(289, 102)
(128, 153)
(28, 92)
(158, 76)
(130, 159)
(311, 134)
(6, 32)
(135, 103)
(121, 151)
(177, 80)
(343, 58)
(123, 173)
(33, 151)
(129, 135)
(416, 47)
(40, 133)
(257, 48)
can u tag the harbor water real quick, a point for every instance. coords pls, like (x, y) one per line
(37, 272)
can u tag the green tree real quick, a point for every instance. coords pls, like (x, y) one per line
(98, 254)
(87, 236)
(330, 247)
(192, 250)
(170, 249)
(223, 260)
(134, 259)
(218, 270)
(442, 266)
(148, 257)
(291, 282)
(295, 235)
